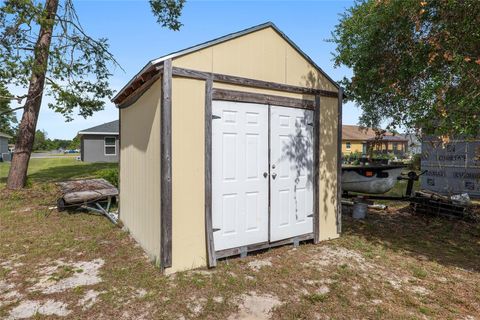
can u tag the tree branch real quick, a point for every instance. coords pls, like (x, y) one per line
(18, 98)
(97, 43)
(11, 110)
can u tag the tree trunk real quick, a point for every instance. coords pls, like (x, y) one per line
(26, 131)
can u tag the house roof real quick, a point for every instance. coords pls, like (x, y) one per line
(106, 128)
(351, 132)
(4, 135)
(158, 61)
(391, 137)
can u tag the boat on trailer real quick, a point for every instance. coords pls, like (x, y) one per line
(373, 179)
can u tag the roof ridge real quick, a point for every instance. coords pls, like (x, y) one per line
(222, 39)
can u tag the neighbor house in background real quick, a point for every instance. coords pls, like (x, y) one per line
(357, 139)
(100, 143)
(4, 152)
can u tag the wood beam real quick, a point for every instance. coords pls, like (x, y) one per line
(240, 96)
(316, 170)
(339, 160)
(212, 260)
(166, 167)
(223, 78)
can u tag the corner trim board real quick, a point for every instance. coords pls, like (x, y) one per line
(316, 170)
(166, 167)
(240, 96)
(211, 257)
(339, 161)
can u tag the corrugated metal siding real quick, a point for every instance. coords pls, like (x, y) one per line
(140, 170)
(452, 168)
(93, 149)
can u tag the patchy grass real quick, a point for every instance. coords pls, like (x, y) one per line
(393, 265)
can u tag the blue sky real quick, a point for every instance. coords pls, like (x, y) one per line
(135, 38)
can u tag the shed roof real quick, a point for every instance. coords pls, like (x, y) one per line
(4, 135)
(106, 128)
(155, 62)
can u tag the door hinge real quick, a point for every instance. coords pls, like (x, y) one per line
(310, 215)
(214, 117)
(216, 229)
(310, 124)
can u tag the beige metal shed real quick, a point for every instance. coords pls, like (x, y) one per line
(227, 147)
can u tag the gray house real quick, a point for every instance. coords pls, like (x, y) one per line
(100, 143)
(4, 152)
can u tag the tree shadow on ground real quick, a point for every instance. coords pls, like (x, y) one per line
(447, 242)
(66, 172)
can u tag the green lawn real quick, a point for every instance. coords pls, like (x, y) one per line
(56, 169)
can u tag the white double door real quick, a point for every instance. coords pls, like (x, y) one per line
(262, 173)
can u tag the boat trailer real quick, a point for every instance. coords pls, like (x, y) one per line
(93, 195)
(423, 201)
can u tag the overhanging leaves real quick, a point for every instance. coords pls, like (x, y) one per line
(415, 63)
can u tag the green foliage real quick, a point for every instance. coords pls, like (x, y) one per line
(383, 156)
(78, 66)
(353, 158)
(111, 175)
(74, 144)
(415, 63)
(8, 120)
(168, 12)
(40, 140)
(415, 163)
(43, 143)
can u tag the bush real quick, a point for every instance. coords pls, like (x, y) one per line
(352, 158)
(415, 164)
(111, 175)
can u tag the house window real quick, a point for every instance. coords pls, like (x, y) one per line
(395, 146)
(348, 145)
(110, 146)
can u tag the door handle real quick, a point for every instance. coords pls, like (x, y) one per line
(265, 174)
(274, 176)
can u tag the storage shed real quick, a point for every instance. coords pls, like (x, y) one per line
(227, 147)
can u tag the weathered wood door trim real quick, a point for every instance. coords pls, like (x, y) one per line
(241, 96)
(166, 167)
(316, 170)
(248, 82)
(339, 160)
(211, 257)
